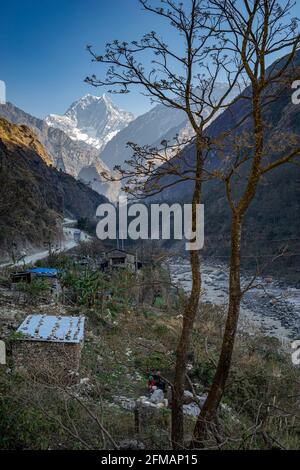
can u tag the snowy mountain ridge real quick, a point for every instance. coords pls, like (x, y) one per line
(94, 120)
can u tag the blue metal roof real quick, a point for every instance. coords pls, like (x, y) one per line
(52, 328)
(44, 272)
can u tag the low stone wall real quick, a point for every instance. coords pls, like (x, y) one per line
(52, 362)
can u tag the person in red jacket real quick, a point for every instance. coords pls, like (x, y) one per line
(151, 379)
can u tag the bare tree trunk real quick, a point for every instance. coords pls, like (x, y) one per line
(207, 416)
(191, 309)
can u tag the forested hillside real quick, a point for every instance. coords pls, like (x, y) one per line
(272, 223)
(34, 196)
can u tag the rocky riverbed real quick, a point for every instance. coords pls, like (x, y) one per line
(271, 306)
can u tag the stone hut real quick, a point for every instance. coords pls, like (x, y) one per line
(49, 348)
(117, 258)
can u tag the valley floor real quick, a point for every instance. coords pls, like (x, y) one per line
(270, 305)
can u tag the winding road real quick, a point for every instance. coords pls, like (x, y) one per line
(66, 244)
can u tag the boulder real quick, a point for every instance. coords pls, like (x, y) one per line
(157, 396)
(191, 404)
(188, 397)
(131, 445)
(191, 410)
(125, 402)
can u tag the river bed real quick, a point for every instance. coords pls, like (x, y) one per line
(271, 306)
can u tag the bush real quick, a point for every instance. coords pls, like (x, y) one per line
(34, 291)
(107, 295)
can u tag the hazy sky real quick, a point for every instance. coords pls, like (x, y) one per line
(43, 49)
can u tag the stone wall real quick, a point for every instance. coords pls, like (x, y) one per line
(56, 363)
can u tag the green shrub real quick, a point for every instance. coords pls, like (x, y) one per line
(34, 291)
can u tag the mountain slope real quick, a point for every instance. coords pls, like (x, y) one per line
(280, 120)
(34, 196)
(273, 219)
(144, 130)
(91, 176)
(66, 154)
(91, 119)
(158, 124)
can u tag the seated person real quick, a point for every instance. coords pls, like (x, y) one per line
(159, 382)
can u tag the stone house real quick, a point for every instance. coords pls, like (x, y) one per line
(119, 259)
(48, 348)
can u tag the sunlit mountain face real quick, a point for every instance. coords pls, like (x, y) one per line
(94, 120)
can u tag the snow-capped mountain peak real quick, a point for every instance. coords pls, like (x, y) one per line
(94, 120)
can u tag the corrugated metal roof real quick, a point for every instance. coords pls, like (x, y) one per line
(44, 272)
(52, 328)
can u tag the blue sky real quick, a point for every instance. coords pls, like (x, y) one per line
(42, 49)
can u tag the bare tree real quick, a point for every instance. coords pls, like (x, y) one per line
(258, 31)
(182, 77)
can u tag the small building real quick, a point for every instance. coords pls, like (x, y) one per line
(49, 347)
(77, 236)
(20, 276)
(117, 258)
(30, 274)
(48, 275)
